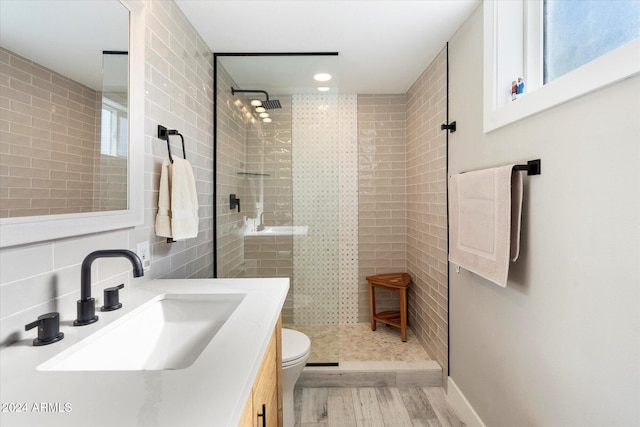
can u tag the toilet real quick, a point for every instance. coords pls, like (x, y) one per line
(296, 347)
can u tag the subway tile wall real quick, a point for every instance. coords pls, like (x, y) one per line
(269, 159)
(179, 95)
(50, 139)
(427, 209)
(231, 152)
(382, 226)
(179, 87)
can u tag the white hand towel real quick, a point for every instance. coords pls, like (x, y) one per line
(485, 221)
(184, 201)
(177, 216)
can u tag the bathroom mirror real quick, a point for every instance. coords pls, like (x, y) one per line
(73, 118)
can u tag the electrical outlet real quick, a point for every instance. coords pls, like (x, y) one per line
(144, 253)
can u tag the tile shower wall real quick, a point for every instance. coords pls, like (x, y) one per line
(179, 77)
(269, 182)
(231, 151)
(382, 207)
(319, 203)
(348, 208)
(50, 140)
(427, 208)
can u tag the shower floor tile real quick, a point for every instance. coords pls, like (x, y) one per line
(356, 342)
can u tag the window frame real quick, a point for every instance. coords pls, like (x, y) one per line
(111, 144)
(616, 65)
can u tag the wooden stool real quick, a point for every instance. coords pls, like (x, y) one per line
(395, 282)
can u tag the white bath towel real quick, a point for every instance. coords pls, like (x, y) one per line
(485, 209)
(177, 201)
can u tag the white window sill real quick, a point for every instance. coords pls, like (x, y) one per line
(617, 65)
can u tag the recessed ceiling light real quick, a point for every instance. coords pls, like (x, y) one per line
(260, 109)
(322, 77)
(256, 102)
(324, 88)
(266, 120)
(263, 115)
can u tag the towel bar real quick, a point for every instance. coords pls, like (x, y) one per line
(532, 167)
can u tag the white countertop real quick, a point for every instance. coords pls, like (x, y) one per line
(211, 392)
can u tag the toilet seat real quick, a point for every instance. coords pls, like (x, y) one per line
(296, 361)
(295, 347)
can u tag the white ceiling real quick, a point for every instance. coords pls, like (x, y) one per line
(383, 46)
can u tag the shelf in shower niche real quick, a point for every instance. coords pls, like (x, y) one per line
(253, 174)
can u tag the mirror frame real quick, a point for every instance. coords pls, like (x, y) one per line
(24, 230)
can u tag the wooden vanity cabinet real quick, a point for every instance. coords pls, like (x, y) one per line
(264, 407)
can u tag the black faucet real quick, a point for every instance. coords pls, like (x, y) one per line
(86, 304)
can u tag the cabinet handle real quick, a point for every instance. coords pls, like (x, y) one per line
(263, 415)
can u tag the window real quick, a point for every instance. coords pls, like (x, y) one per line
(113, 140)
(563, 49)
(577, 32)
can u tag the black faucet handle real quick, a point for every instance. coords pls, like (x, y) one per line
(86, 312)
(112, 298)
(48, 329)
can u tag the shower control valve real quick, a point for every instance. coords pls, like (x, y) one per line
(234, 202)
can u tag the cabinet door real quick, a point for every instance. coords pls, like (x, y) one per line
(265, 396)
(247, 414)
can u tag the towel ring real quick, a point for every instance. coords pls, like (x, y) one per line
(184, 153)
(163, 133)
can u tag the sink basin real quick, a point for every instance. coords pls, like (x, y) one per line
(168, 332)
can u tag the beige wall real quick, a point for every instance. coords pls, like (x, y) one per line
(560, 345)
(427, 208)
(179, 95)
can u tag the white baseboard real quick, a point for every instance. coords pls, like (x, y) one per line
(461, 404)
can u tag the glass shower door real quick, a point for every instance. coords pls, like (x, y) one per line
(286, 173)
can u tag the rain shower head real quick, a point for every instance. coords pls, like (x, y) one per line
(267, 104)
(271, 104)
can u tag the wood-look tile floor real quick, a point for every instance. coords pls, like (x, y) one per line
(373, 407)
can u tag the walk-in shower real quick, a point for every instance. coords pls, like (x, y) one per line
(296, 176)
